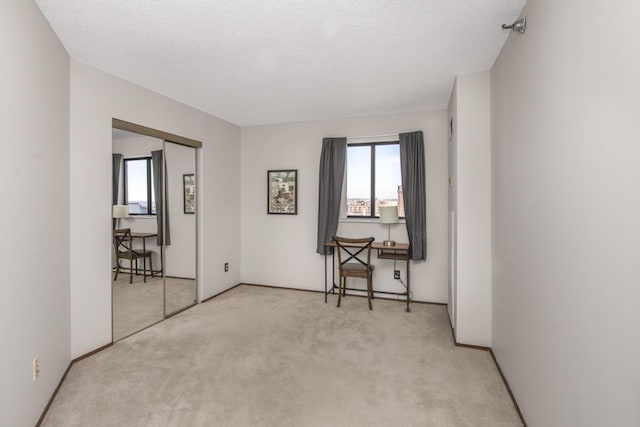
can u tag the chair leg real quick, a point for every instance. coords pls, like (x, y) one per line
(344, 288)
(340, 290)
(369, 291)
(131, 271)
(117, 269)
(150, 266)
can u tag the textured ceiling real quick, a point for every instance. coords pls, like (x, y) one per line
(273, 61)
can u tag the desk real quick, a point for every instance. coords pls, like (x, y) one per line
(144, 237)
(399, 252)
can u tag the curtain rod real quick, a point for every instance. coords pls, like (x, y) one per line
(374, 136)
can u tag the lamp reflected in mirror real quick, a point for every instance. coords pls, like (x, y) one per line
(119, 211)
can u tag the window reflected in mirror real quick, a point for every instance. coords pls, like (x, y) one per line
(138, 186)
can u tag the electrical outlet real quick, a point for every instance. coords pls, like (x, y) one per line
(226, 267)
(36, 367)
(396, 274)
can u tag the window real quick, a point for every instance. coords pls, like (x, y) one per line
(373, 179)
(138, 186)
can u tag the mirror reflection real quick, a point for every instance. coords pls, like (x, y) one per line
(154, 231)
(180, 251)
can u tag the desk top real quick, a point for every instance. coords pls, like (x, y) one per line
(142, 235)
(375, 245)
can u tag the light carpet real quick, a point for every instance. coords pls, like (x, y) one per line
(273, 357)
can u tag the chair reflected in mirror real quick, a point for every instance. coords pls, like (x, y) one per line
(122, 243)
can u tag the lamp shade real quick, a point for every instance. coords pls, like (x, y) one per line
(120, 211)
(388, 214)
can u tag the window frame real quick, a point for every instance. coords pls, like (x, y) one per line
(149, 184)
(372, 190)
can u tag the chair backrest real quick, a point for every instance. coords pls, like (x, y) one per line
(351, 248)
(122, 241)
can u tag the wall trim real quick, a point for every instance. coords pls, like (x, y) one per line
(348, 294)
(53, 396)
(260, 285)
(91, 353)
(64, 376)
(474, 347)
(219, 293)
(493, 356)
(506, 383)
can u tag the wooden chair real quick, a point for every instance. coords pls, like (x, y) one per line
(352, 266)
(122, 243)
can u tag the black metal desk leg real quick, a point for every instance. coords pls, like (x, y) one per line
(333, 271)
(325, 278)
(144, 260)
(408, 284)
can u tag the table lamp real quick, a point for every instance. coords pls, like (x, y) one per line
(389, 215)
(120, 211)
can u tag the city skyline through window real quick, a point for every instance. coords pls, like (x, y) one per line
(377, 163)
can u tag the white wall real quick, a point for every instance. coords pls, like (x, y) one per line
(280, 249)
(34, 255)
(96, 98)
(566, 164)
(470, 199)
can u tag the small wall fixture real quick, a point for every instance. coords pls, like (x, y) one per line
(520, 26)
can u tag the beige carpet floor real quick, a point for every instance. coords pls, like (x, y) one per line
(137, 305)
(273, 357)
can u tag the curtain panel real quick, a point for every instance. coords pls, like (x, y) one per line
(116, 161)
(332, 163)
(157, 159)
(412, 170)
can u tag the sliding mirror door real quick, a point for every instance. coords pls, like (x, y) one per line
(154, 226)
(180, 223)
(137, 283)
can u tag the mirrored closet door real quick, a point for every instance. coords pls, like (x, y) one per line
(153, 230)
(180, 249)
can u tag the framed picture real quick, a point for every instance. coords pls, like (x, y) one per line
(282, 192)
(189, 184)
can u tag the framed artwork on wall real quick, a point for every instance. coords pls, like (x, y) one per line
(189, 184)
(282, 192)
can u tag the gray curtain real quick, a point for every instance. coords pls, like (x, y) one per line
(414, 190)
(157, 159)
(332, 161)
(116, 161)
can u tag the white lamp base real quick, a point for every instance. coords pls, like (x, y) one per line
(389, 243)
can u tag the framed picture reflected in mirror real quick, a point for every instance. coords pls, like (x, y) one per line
(189, 184)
